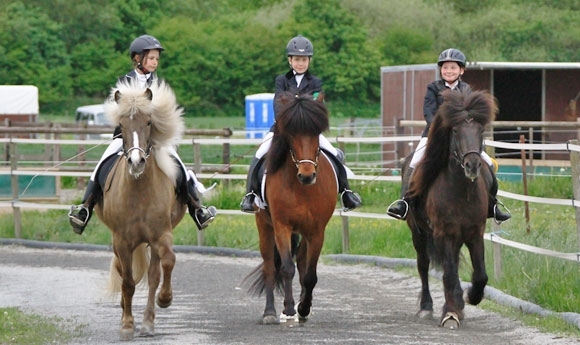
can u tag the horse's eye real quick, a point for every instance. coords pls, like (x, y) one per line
(149, 123)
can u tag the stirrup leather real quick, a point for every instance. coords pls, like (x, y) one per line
(395, 215)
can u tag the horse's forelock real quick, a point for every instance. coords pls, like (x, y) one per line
(302, 115)
(157, 101)
(477, 106)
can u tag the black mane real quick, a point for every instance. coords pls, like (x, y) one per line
(299, 115)
(457, 106)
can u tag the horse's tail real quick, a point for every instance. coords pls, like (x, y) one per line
(255, 280)
(140, 268)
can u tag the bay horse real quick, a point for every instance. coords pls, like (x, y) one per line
(139, 203)
(300, 193)
(449, 189)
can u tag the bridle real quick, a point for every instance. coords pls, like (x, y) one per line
(146, 152)
(459, 155)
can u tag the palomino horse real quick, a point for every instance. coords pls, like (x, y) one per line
(301, 190)
(139, 203)
(450, 192)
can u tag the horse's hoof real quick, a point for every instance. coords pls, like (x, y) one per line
(146, 331)
(425, 314)
(269, 319)
(303, 316)
(165, 303)
(285, 318)
(126, 334)
(451, 321)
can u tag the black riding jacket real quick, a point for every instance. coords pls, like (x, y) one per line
(287, 83)
(434, 98)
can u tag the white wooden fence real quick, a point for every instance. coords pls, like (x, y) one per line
(572, 147)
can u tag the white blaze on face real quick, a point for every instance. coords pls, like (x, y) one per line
(135, 153)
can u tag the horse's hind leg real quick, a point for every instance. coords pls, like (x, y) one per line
(474, 294)
(423, 262)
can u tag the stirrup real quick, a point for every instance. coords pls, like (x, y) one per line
(396, 215)
(497, 210)
(253, 210)
(74, 220)
(212, 211)
(357, 200)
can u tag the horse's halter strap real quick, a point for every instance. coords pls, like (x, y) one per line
(305, 161)
(458, 154)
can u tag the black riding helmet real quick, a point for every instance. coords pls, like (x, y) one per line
(144, 43)
(452, 54)
(299, 46)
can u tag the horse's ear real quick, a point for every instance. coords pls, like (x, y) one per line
(117, 96)
(149, 94)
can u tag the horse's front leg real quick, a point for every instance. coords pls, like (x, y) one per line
(127, 291)
(474, 294)
(153, 278)
(167, 257)
(308, 277)
(452, 313)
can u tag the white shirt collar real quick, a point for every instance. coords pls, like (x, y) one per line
(452, 86)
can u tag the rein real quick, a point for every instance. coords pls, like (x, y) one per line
(305, 161)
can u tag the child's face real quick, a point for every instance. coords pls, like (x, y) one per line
(151, 60)
(299, 63)
(450, 71)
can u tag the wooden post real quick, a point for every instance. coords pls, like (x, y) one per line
(525, 181)
(15, 192)
(575, 169)
(345, 235)
(497, 263)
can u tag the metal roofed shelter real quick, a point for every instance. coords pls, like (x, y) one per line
(525, 91)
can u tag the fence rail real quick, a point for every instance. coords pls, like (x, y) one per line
(14, 170)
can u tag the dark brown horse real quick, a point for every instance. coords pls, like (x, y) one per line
(139, 203)
(301, 190)
(450, 189)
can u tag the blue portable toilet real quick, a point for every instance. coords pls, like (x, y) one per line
(259, 114)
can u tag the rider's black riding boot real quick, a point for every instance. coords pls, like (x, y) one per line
(247, 205)
(79, 215)
(349, 199)
(201, 215)
(399, 208)
(493, 210)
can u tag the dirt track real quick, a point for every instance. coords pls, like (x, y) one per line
(356, 304)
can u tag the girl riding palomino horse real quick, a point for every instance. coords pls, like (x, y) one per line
(298, 81)
(451, 67)
(145, 51)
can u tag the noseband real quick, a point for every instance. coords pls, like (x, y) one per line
(146, 152)
(305, 161)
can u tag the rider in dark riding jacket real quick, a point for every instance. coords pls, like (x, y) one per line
(145, 51)
(298, 80)
(451, 64)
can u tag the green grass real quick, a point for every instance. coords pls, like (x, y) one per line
(20, 328)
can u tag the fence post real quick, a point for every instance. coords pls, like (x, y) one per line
(15, 192)
(497, 264)
(345, 235)
(575, 170)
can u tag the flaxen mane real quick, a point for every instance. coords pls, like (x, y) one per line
(300, 115)
(158, 101)
(457, 106)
